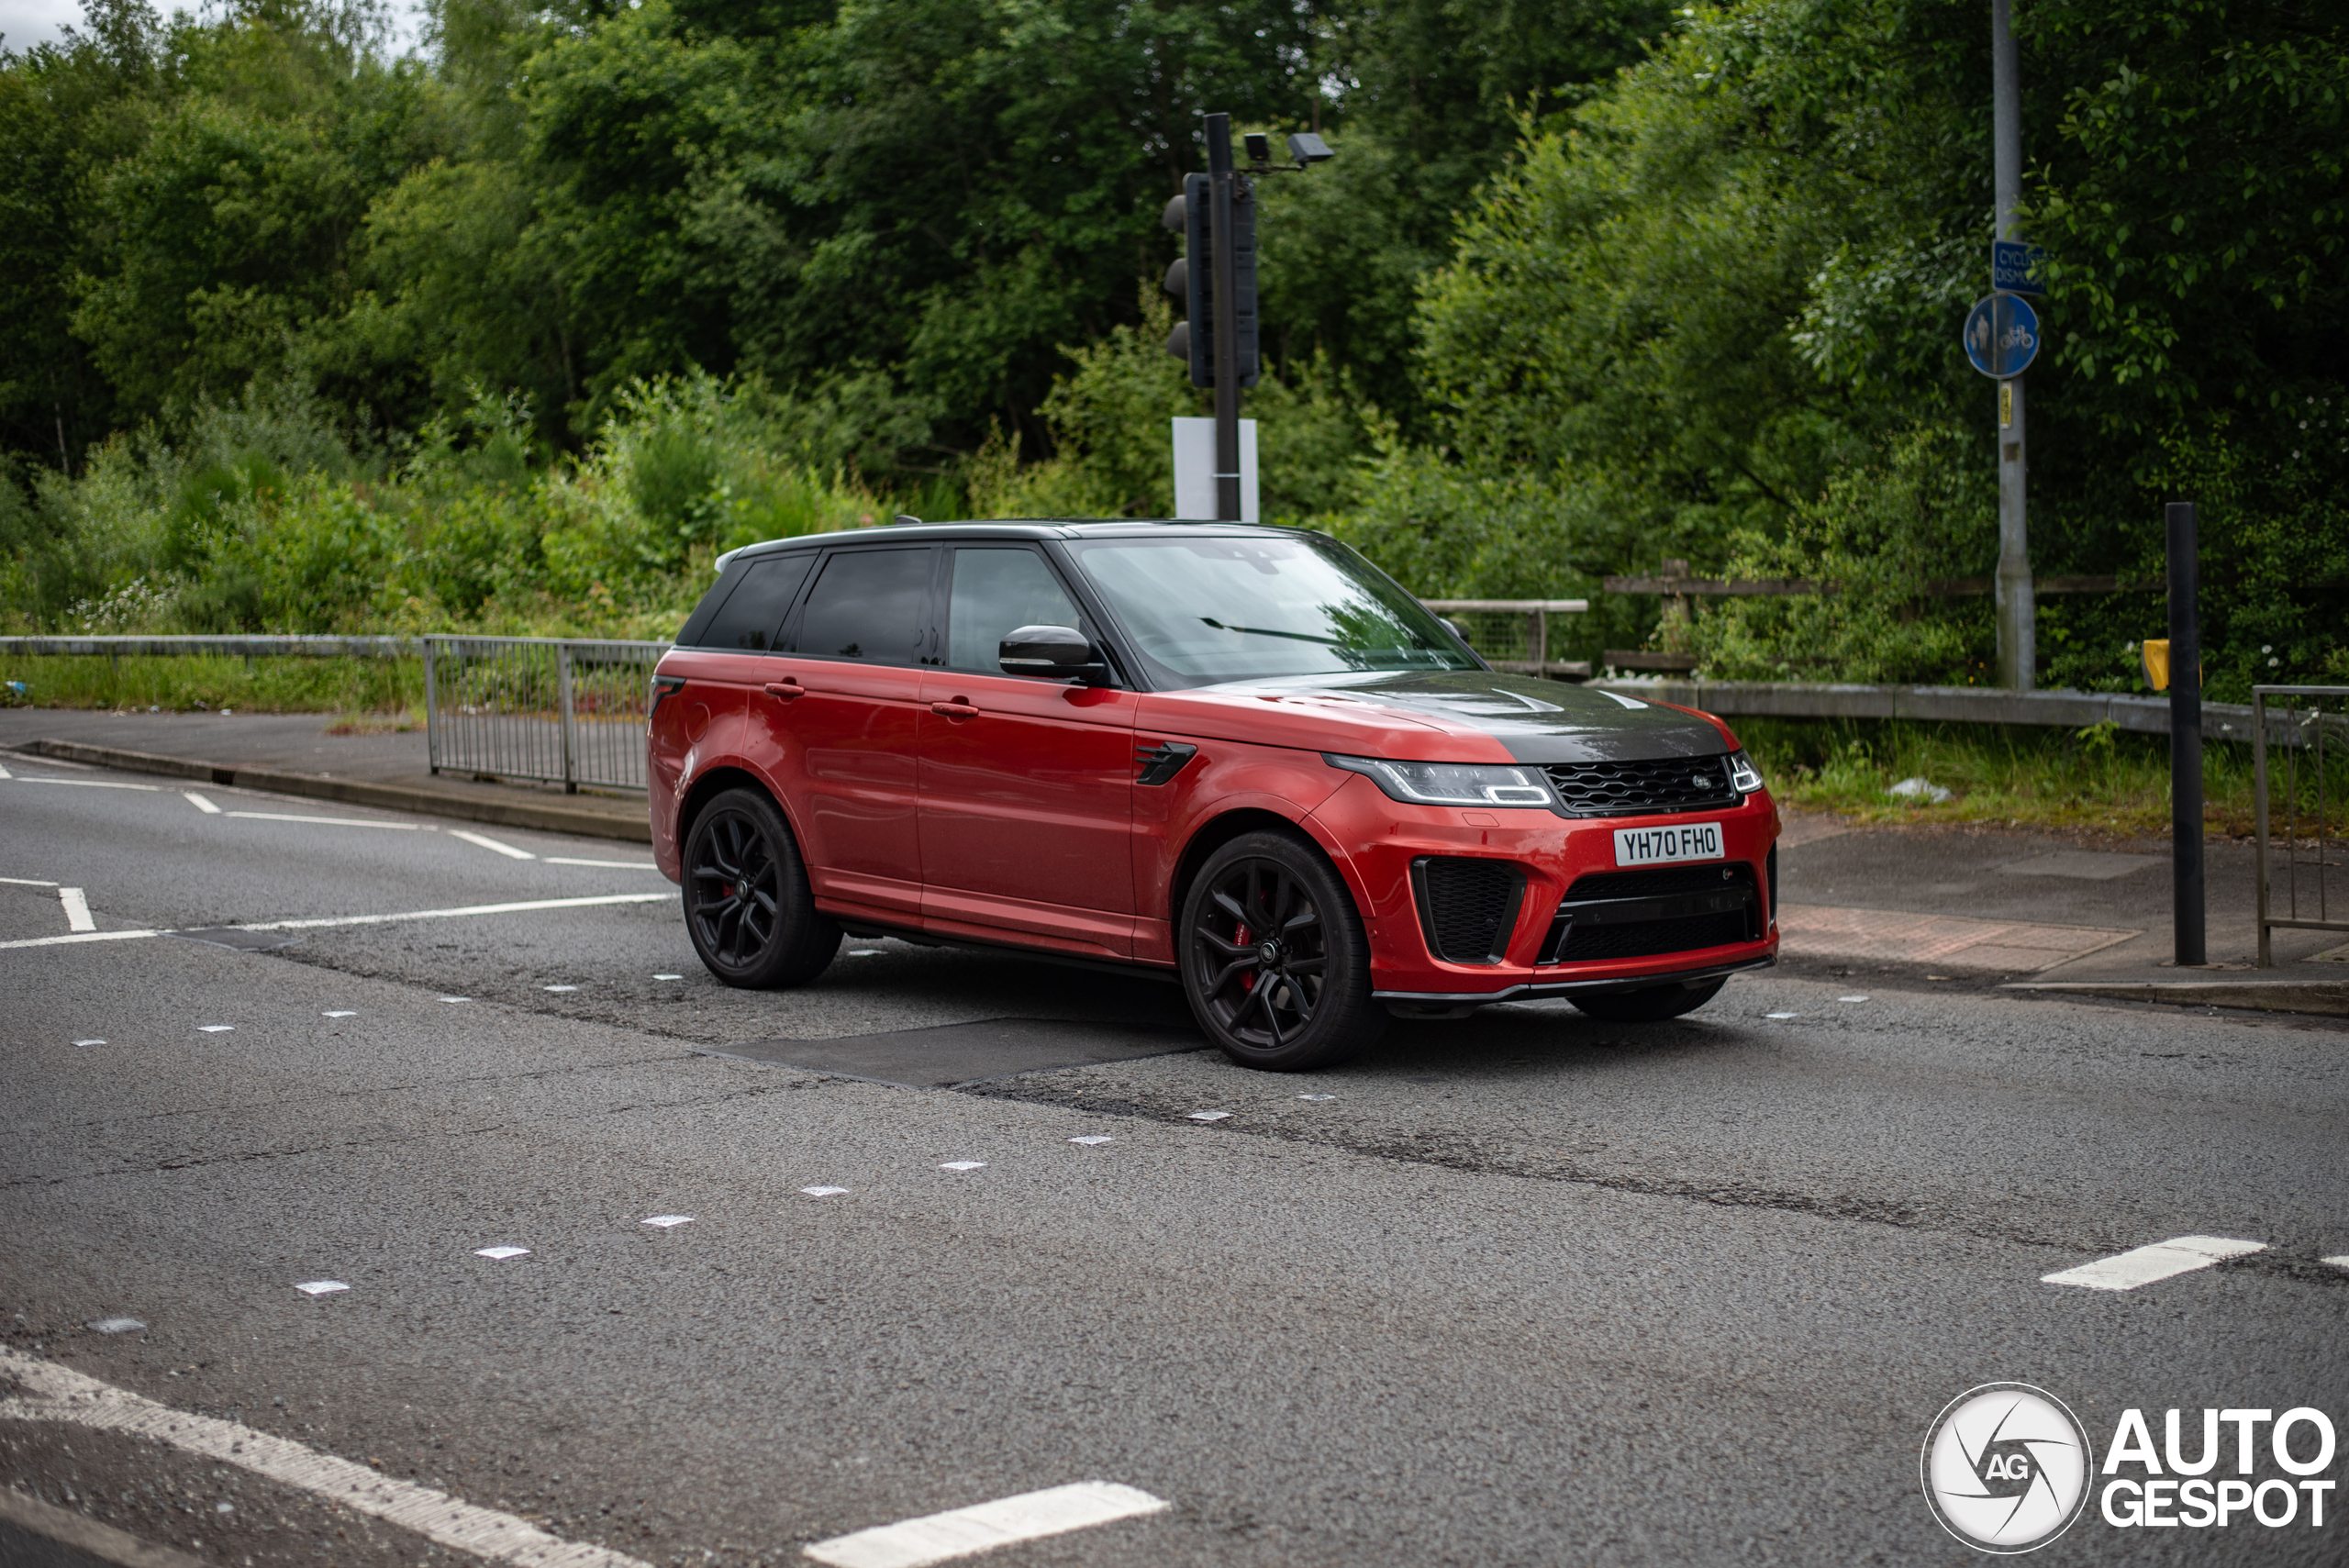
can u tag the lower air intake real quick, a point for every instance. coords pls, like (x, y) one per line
(1467, 907)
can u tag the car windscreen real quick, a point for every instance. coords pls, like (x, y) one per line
(1208, 609)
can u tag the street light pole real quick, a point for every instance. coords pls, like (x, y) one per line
(1221, 181)
(2018, 630)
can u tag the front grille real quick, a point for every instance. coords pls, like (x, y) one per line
(1645, 939)
(1584, 940)
(1467, 906)
(1644, 789)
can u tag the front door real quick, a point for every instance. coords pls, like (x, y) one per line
(1027, 783)
(839, 709)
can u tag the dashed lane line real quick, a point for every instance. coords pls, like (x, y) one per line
(609, 865)
(322, 922)
(487, 843)
(327, 821)
(2161, 1261)
(201, 802)
(89, 784)
(26, 881)
(960, 1532)
(77, 909)
(54, 1392)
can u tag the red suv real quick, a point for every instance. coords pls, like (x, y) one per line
(1239, 753)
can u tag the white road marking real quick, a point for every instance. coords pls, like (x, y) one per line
(1031, 1515)
(200, 803)
(1317, 1096)
(327, 821)
(1091, 1139)
(346, 1013)
(5, 773)
(666, 1220)
(452, 914)
(612, 865)
(1850, 998)
(964, 1165)
(2144, 1265)
(89, 1043)
(487, 843)
(668, 977)
(114, 1325)
(77, 909)
(501, 1253)
(1209, 1116)
(2340, 1262)
(26, 881)
(456, 998)
(823, 1192)
(55, 1394)
(558, 987)
(321, 1288)
(1781, 1015)
(93, 783)
(215, 1029)
(77, 937)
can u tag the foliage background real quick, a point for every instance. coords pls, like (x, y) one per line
(517, 333)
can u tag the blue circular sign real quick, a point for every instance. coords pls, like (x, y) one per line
(2002, 335)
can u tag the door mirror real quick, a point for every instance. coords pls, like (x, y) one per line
(1055, 651)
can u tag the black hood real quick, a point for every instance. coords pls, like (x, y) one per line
(1536, 720)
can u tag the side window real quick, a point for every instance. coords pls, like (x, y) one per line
(869, 604)
(752, 614)
(997, 591)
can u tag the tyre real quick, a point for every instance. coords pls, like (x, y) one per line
(1649, 1003)
(1275, 962)
(748, 907)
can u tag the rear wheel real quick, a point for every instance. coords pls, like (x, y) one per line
(748, 907)
(1649, 1003)
(1275, 962)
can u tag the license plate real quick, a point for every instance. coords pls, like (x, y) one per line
(1659, 846)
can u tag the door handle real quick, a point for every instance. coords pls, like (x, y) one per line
(961, 708)
(786, 690)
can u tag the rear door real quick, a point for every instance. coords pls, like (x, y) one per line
(1027, 784)
(838, 713)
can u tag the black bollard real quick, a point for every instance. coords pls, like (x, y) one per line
(2185, 739)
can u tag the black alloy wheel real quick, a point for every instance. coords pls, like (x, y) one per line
(1649, 1003)
(1274, 962)
(748, 907)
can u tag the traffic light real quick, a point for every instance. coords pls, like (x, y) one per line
(1192, 279)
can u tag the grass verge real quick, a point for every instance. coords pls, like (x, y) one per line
(390, 689)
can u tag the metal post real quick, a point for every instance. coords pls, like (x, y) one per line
(2185, 739)
(1537, 639)
(1221, 181)
(1679, 617)
(2266, 959)
(2017, 628)
(431, 714)
(570, 742)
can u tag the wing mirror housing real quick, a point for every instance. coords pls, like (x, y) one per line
(1057, 653)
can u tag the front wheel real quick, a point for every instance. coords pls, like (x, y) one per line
(748, 905)
(1650, 1004)
(1275, 962)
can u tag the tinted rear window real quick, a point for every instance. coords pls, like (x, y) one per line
(749, 619)
(870, 605)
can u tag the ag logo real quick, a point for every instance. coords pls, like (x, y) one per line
(2006, 1467)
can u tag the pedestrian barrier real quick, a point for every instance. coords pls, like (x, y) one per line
(554, 709)
(2312, 785)
(1514, 634)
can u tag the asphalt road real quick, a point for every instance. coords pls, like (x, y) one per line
(1525, 1288)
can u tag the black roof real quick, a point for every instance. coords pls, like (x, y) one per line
(1038, 528)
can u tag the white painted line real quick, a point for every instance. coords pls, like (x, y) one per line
(456, 998)
(501, 1253)
(452, 914)
(823, 1192)
(344, 1013)
(1031, 1515)
(5, 773)
(2144, 1265)
(200, 803)
(614, 865)
(1781, 1015)
(558, 987)
(666, 1220)
(668, 977)
(93, 784)
(1850, 998)
(487, 843)
(1317, 1096)
(26, 881)
(2340, 1262)
(321, 1288)
(77, 937)
(215, 1029)
(964, 1165)
(51, 1392)
(77, 909)
(1209, 1116)
(116, 1325)
(89, 1043)
(1092, 1138)
(327, 821)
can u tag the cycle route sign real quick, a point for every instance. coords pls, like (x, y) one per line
(2002, 335)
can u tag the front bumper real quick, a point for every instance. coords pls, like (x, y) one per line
(1381, 839)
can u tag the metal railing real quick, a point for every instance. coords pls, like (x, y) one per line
(2311, 789)
(1514, 634)
(558, 710)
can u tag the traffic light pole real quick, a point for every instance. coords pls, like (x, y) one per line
(1222, 182)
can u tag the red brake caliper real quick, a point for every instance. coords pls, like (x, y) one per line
(1240, 934)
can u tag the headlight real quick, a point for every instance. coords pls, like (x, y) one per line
(1450, 783)
(1743, 775)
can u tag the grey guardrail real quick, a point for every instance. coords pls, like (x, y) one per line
(318, 647)
(1958, 704)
